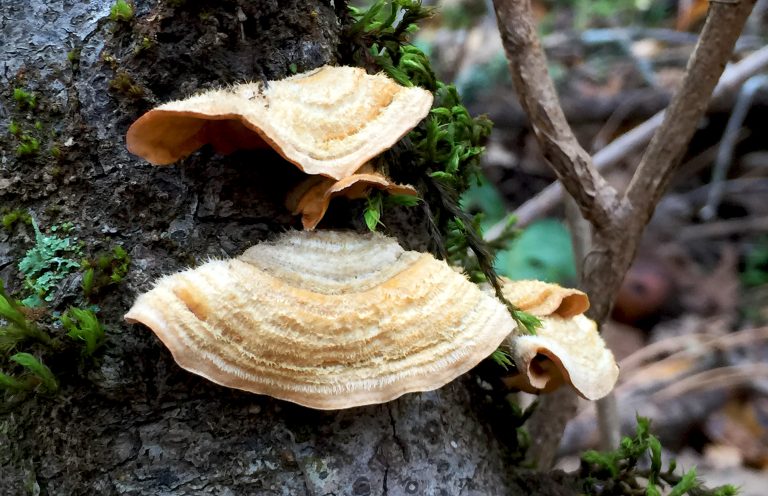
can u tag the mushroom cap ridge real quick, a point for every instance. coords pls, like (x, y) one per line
(289, 319)
(329, 121)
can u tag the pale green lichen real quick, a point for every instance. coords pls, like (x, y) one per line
(46, 264)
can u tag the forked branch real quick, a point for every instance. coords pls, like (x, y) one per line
(618, 221)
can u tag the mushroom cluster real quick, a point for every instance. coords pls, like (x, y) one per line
(332, 319)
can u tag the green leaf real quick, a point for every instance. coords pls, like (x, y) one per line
(83, 325)
(372, 213)
(442, 175)
(655, 447)
(38, 369)
(687, 483)
(403, 200)
(11, 383)
(542, 251)
(529, 321)
(9, 311)
(727, 490)
(502, 358)
(652, 490)
(606, 461)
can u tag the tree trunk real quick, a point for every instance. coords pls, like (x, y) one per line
(132, 422)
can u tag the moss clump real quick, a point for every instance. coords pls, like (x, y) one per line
(17, 327)
(13, 217)
(14, 128)
(104, 270)
(24, 99)
(621, 471)
(28, 146)
(73, 56)
(121, 11)
(124, 83)
(83, 326)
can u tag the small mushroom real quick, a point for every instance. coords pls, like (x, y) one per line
(312, 197)
(566, 349)
(325, 319)
(542, 298)
(328, 121)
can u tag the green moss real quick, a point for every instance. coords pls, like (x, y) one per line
(83, 326)
(14, 128)
(104, 270)
(11, 218)
(613, 472)
(121, 11)
(124, 83)
(29, 146)
(73, 56)
(17, 327)
(145, 44)
(37, 370)
(24, 99)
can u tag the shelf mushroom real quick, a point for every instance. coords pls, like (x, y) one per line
(328, 121)
(566, 349)
(326, 319)
(312, 197)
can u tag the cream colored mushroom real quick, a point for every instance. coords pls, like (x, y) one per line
(312, 197)
(566, 349)
(328, 121)
(325, 319)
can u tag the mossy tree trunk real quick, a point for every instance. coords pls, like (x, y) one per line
(131, 421)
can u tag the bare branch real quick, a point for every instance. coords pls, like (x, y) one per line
(528, 65)
(723, 27)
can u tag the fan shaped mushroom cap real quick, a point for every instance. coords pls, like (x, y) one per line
(325, 319)
(312, 197)
(542, 298)
(328, 121)
(566, 349)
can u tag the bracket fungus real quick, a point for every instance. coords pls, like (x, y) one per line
(325, 319)
(566, 349)
(312, 197)
(328, 121)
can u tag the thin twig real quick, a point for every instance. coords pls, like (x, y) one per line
(728, 143)
(720, 377)
(724, 228)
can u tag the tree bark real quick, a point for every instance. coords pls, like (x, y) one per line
(133, 422)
